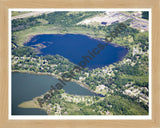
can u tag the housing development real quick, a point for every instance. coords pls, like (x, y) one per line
(113, 82)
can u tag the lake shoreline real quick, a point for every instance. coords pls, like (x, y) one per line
(33, 103)
(29, 37)
(56, 76)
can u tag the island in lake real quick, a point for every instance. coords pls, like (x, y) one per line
(114, 81)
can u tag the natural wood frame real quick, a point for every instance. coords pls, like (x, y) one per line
(4, 38)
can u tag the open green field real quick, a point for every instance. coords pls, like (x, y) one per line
(16, 13)
(132, 70)
(133, 77)
(24, 35)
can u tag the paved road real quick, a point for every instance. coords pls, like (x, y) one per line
(136, 18)
(138, 21)
(34, 13)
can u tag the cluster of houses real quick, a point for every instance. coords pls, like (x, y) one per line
(134, 91)
(78, 99)
(56, 108)
(28, 62)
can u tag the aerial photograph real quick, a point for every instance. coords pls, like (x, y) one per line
(79, 62)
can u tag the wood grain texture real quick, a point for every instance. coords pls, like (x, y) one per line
(6, 4)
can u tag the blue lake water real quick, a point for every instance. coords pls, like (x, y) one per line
(26, 86)
(74, 46)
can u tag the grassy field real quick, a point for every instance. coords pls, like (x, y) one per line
(25, 35)
(135, 78)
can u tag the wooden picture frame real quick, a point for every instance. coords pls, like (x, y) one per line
(5, 122)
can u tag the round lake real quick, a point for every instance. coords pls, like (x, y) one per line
(77, 48)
